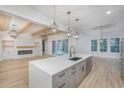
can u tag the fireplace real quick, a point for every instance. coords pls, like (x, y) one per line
(24, 52)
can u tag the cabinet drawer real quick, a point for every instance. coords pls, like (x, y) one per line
(122, 62)
(61, 85)
(122, 72)
(60, 77)
(73, 68)
(82, 71)
(74, 74)
(74, 82)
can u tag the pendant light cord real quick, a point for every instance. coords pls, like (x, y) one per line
(101, 32)
(68, 20)
(54, 14)
(77, 24)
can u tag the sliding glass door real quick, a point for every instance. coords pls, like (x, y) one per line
(60, 47)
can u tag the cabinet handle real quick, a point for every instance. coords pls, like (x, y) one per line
(73, 72)
(62, 75)
(73, 68)
(62, 85)
(83, 69)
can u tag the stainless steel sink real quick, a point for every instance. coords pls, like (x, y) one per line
(75, 58)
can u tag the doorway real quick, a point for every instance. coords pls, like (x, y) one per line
(44, 46)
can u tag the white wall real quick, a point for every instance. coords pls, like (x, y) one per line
(22, 40)
(8, 52)
(84, 43)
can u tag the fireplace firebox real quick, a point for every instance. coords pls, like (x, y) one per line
(24, 52)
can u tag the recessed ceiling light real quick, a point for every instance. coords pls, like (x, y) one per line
(108, 12)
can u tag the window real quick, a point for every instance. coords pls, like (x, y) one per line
(103, 45)
(115, 42)
(93, 45)
(60, 47)
(65, 46)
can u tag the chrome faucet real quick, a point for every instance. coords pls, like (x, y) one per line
(72, 51)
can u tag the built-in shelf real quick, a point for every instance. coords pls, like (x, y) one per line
(8, 43)
(25, 46)
(8, 46)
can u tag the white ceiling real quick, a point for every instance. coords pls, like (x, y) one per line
(89, 16)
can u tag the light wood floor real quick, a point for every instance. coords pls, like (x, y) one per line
(105, 74)
(14, 74)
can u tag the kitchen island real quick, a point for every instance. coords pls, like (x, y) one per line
(59, 72)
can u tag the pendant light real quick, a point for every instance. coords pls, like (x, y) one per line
(101, 34)
(13, 33)
(77, 33)
(69, 33)
(54, 27)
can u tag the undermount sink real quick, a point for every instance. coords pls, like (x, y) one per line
(75, 58)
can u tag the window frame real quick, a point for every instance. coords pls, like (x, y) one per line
(104, 45)
(94, 45)
(115, 48)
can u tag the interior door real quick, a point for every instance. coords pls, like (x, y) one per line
(44, 47)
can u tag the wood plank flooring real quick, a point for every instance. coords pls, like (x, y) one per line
(105, 74)
(14, 73)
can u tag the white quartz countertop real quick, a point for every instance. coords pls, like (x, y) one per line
(54, 65)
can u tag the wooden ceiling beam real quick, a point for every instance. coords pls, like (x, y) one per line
(39, 32)
(2, 22)
(52, 33)
(25, 27)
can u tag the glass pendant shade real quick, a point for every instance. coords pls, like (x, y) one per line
(13, 33)
(77, 34)
(69, 33)
(54, 27)
(77, 37)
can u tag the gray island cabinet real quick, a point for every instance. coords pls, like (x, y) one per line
(59, 72)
